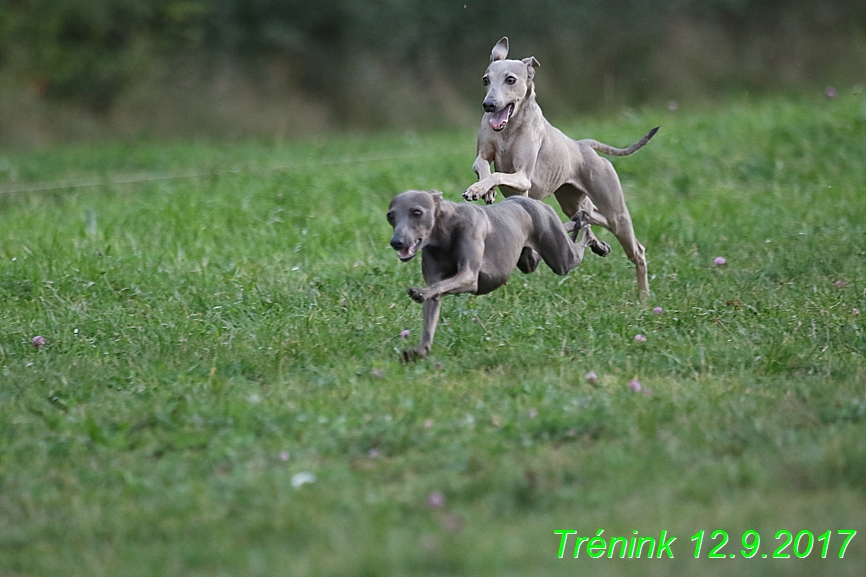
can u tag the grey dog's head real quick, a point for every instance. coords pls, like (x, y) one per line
(508, 83)
(413, 216)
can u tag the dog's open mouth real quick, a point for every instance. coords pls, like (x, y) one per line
(500, 118)
(409, 252)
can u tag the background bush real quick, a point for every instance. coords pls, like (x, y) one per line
(399, 63)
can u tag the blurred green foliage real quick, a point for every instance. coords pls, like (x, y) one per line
(90, 51)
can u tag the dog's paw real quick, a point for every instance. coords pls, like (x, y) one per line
(417, 294)
(489, 196)
(600, 248)
(474, 192)
(578, 222)
(413, 354)
(581, 219)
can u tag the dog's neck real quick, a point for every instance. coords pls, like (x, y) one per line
(439, 236)
(530, 92)
(528, 108)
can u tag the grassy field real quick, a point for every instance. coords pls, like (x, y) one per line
(214, 341)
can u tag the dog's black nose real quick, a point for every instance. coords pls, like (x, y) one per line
(397, 244)
(489, 106)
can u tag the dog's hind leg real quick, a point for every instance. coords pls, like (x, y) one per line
(597, 246)
(572, 200)
(612, 213)
(528, 261)
(623, 229)
(552, 243)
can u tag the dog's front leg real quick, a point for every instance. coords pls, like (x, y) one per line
(469, 257)
(431, 319)
(486, 188)
(481, 168)
(465, 281)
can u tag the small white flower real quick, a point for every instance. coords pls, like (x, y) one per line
(301, 479)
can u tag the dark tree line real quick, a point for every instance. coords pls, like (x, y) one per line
(90, 51)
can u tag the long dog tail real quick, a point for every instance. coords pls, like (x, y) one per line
(605, 149)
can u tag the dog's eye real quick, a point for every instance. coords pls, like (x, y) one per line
(390, 216)
(485, 81)
(417, 212)
(511, 80)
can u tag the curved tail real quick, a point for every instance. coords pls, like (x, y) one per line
(605, 149)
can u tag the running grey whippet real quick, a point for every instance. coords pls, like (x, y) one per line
(473, 249)
(534, 159)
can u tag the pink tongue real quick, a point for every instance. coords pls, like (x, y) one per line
(498, 120)
(404, 253)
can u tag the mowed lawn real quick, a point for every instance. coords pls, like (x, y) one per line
(215, 340)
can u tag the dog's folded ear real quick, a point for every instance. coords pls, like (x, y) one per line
(530, 63)
(500, 51)
(437, 201)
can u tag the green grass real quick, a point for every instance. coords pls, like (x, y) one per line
(197, 328)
